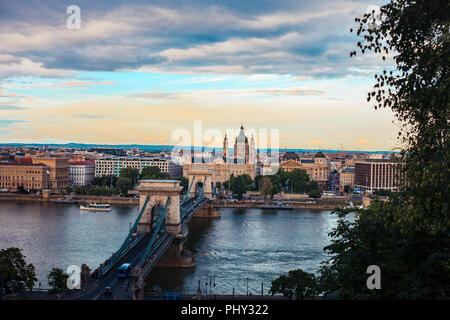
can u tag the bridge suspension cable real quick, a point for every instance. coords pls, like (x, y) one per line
(203, 189)
(126, 243)
(189, 190)
(155, 232)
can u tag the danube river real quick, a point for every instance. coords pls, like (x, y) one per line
(244, 246)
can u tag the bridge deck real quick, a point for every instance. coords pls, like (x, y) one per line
(133, 254)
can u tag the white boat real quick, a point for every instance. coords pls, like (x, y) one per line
(96, 207)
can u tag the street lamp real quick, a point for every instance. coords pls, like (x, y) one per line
(247, 286)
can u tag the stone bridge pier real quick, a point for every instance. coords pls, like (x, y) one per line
(158, 192)
(200, 174)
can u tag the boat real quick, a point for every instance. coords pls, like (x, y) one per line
(59, 200)
(280, 206)
(96, 207)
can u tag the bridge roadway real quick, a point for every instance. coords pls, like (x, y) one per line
(121, 286)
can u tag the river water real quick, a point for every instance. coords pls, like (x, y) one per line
(244, 246)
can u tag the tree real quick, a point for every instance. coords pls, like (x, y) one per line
(299, 179)
(314, 194)
(15, 273)
(105, 181)
(297, 285)
(124, 184)
(407, 236)
(241, 184)
(266, 187)
(226, 185)
(184, 182)
(130, 173)
(347, 189)
(154, 172)
(57, 279)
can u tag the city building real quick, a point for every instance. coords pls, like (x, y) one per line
(112, 165)
(316, 167)
(221, 171)
(347, 178)
(376, 174)
(110, 151)
(58, 171)
(81, 173)
(6, 157)
(29, 176)
(241, 161)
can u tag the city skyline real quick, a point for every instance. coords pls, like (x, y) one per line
(133, 74)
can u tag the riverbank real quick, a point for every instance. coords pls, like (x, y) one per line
(324, 204)
(75, 199)
(305, 203)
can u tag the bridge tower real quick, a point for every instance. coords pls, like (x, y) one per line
(200, 173)
(158, 192)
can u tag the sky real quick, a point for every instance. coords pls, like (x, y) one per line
(136, 71)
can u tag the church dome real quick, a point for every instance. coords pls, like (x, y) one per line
(289, 155)
(319, 155)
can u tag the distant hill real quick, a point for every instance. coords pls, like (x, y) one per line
(151, 148)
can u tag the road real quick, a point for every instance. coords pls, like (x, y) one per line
(118, 285)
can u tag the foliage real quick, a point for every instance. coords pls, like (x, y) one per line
(383, 193)
(105, 181)
(297, 181)
(154, 172)
(241, 184)
(266, 187)
(124, 184)
(57, 279)
(314, 194)
(95, 190)
(130, 173)
(407, 236)
(184, 182)
(297, 285)
(347, 189)
(226, 184)
(15, 274)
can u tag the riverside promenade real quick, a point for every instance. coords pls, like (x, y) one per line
(299, 202)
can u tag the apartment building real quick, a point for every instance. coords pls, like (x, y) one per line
(28, 176)
(58, 171)
(81, 173)
(112, 165)
(376, 174)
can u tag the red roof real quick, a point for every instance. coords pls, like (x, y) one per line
(79, 163)
(23, 161)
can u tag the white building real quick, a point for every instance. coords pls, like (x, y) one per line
(112, 165)
(81, 173)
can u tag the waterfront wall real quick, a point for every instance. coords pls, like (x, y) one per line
(301, 202)
(310, 204)
(77, 199)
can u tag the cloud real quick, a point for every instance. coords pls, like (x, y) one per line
(15, 66)
(86, 83)
(305, 39)
(291, 92)
(10, 107)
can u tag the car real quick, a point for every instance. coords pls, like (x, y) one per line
(107, 291)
